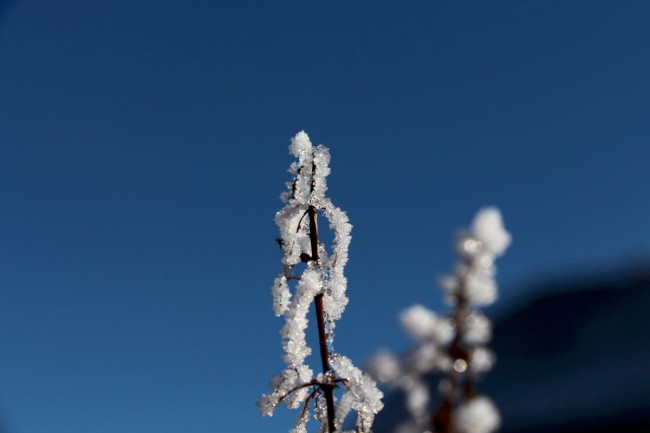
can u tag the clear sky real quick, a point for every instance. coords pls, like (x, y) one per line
(143, 147)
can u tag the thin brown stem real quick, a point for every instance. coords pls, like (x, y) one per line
(306, 404)
(313, 233)
(442, 419)
(296, 388)
(328, 389)
(322, 336)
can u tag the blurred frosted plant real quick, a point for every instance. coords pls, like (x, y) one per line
(323, 283)
(454, 345)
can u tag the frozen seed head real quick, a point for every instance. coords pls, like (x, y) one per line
(421, 323)
(489, 230)
(478, 329)
(478, 415)
(480, 288)
(481, 360)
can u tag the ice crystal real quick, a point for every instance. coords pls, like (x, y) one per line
(365, 397)
(281, 295)
(322, 278)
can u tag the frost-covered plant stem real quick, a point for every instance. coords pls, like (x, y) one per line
(328, 389)
(323, 282)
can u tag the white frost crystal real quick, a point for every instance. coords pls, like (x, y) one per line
(281, 295)
(478, 415)
(323, 276)
(366, 397)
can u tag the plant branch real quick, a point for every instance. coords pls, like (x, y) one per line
(328, 389)
(306, 404)
(296, 388)
(442, 420)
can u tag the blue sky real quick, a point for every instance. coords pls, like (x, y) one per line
(143, 147)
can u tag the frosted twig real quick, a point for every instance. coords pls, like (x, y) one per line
(322, 282)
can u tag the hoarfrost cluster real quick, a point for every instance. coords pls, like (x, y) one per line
(322, 283)
(454, 345)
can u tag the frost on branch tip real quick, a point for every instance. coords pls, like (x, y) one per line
(453, 345)
(322, 280)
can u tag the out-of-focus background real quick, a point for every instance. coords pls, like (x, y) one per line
(143, 147)
(572, 358)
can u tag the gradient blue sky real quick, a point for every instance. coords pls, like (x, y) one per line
(143, 147)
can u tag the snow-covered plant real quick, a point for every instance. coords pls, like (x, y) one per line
(323, 283)
(454, 345)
